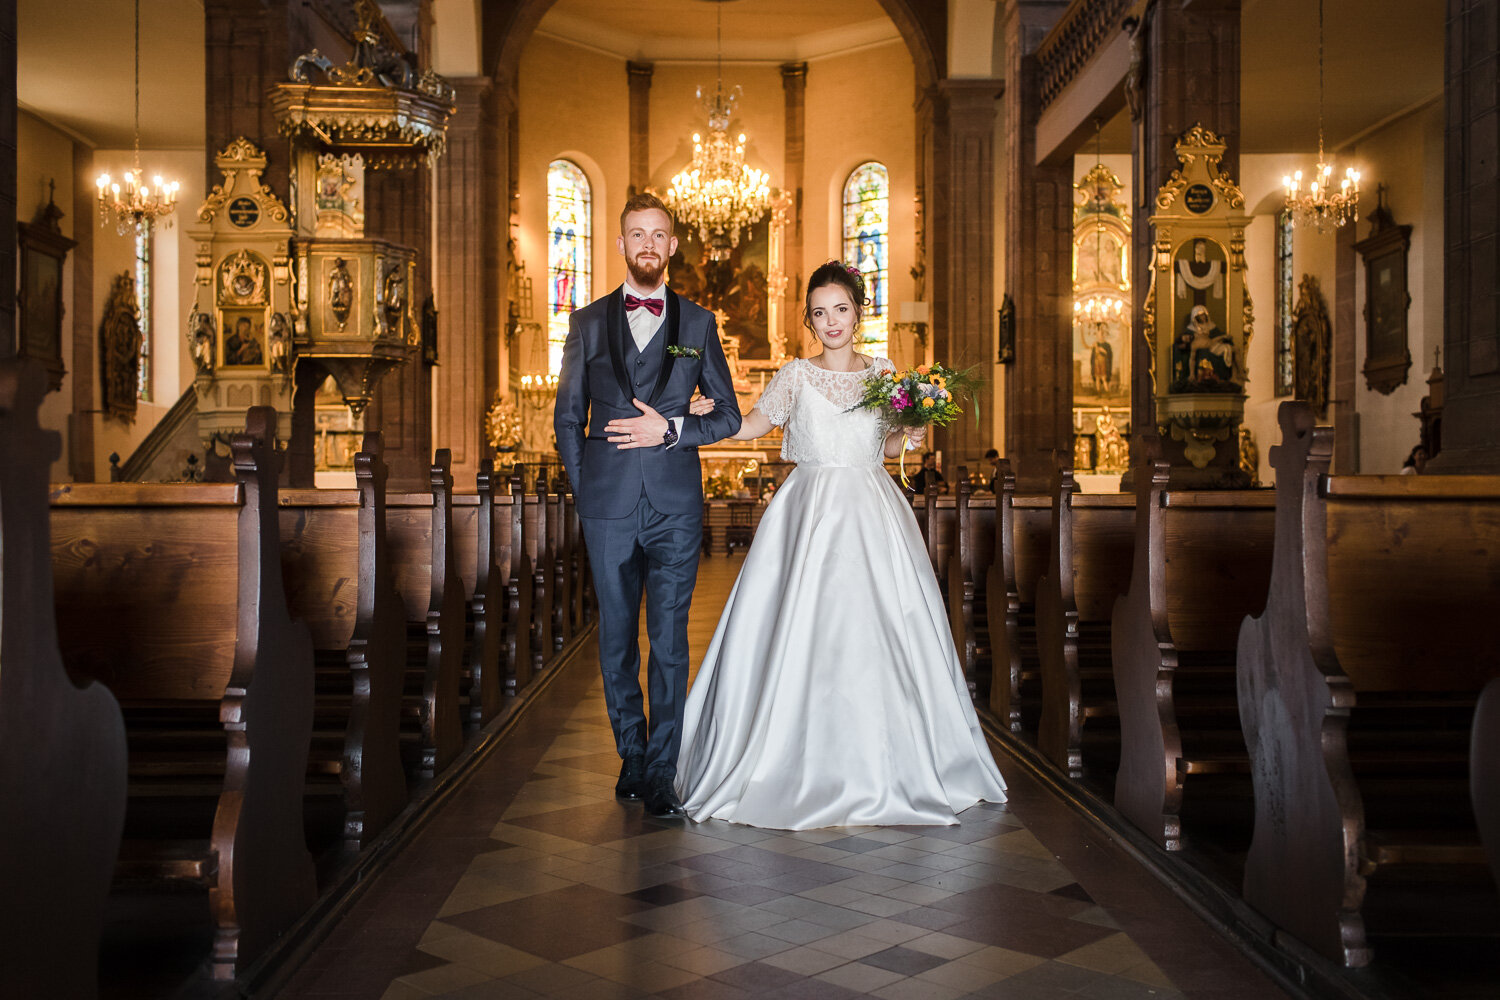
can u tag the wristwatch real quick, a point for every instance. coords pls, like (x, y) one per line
(670, 437)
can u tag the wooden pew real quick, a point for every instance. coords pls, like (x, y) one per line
(62, 741)
(968, 572)
(562, 570)
(1484, 773)
(338, 579)
(515, 572)
(172, 596)
(1202, 563)
(1357, 687)
(481, 686)
(1088, 553)
(420, 529)
(1022, 525)
(538, 539)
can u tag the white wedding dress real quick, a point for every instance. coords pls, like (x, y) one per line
(831, 694)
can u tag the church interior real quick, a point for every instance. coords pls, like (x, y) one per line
(299, 667)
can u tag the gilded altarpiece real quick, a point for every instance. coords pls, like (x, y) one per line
(1101, 323)
(1198, 316)
(239, 331)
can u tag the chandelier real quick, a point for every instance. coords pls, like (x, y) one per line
(719, 193)
(1319, 205)
(134, 204)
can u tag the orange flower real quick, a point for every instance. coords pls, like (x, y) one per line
(923, 369)
(927, 402)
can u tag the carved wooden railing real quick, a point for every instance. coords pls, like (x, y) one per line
(1082, 31)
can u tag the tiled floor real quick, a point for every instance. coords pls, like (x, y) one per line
(535, 882)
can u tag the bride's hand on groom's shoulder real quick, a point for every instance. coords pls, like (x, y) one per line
(701, 406)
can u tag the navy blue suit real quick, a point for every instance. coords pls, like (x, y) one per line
(642, 508)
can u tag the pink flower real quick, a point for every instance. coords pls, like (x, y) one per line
(900, 401)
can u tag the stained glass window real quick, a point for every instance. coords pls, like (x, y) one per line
(569, 245)
(1286, 355)
(867, 243)
(143, 301)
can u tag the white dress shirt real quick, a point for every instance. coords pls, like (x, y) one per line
(644, 326)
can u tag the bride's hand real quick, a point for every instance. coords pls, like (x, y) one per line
(701, 406)
(915, 436)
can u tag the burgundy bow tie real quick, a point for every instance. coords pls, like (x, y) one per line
(653, 306)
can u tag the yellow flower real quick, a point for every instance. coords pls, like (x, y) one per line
(938, 381)
(927, 402)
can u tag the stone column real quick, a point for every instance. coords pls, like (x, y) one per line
(398, 208)
(1471, 234)
(1188, 59)
(1345, 374)
(794, 87)
(1038, 263)
(81, 463)
(464, 314)
(639, 75)
(8, 345)
(247, 48)
(962, 192)
(498, 201)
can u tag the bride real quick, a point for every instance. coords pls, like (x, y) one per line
(831, 694)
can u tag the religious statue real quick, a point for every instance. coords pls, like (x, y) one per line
(278, 344)
(340, 291)
(1249, 455)
(1113, 455)
(201, 342)
(1204, 357)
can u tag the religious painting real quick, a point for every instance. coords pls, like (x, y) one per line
(1387, 299)
(1205, 357)
(1101, 292)
(40, 303)
(244, 332)
(738, 287)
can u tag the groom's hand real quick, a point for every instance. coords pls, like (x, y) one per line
(645, 431)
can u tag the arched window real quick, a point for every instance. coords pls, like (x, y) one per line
(569, 249)
(867, 244)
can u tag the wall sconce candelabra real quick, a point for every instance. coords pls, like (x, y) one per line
(538, 392)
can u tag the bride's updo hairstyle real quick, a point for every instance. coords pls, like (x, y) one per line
(836, 272)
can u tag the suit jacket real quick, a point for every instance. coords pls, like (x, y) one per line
(602, 371)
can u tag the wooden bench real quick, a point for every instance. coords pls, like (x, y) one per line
(62, 744)
(481, 684)
(538, 539)
(172, 596)
(1202, 563)
(338, 579)
(563, 581)
(517, 583)
(1088, 565)
(1022, 526)
(1357, 690)
(420, 529)
(968, 575)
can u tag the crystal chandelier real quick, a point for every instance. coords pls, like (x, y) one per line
(719, 194)
(1319, 205)
(134, 204)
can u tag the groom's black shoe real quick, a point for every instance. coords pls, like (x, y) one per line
(661, 798)
(632, 784)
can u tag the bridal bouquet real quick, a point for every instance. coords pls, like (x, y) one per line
(926, 394)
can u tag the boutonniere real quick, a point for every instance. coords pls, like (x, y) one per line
(678, 351)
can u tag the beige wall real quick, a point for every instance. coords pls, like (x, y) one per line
(573, 102)
(172, 291)
(44, 154)
(849, 122)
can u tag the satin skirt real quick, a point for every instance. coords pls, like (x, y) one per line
(832, 694)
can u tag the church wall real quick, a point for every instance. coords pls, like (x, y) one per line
(172, 291)
(573, 103)
(859, 108)
(44, 154)
(1407, 157)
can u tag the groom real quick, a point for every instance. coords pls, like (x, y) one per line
(630, 365)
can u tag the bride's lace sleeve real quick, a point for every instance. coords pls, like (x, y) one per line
(779, 395)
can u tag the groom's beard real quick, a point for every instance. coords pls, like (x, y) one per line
(645, 275)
